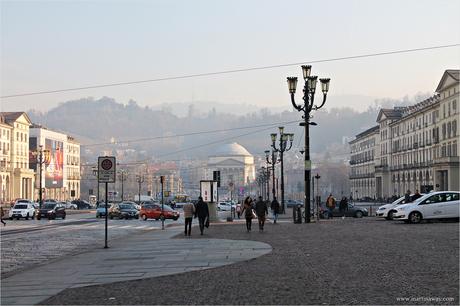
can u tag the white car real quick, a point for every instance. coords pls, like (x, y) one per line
(22, 209)
(225, 206)
(386, 211)
(435, 205)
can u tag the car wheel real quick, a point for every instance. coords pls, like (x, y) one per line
(359, 214)
(63, 217)
(137, 217)
(175, 219)
(390, 215)
(27, 216)
(144, 217)
(415, 217)
(121, 217)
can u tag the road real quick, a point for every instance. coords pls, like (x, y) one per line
(26, 243)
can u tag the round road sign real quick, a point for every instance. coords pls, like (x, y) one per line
(106, 164)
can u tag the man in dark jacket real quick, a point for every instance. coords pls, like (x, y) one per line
(416, 195)
(275, 206)
(261, 212)
(202, 212)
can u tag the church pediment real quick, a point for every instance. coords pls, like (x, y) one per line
(227, 162)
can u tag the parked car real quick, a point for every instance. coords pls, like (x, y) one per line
(435, 205)
(153, 211)
(100, 210)
(386, 211)
(292, 203)
(82, 204)
(225, 206)
(123, 210)
(51, 210)
(70, 205)
(22, 209)
(351, 211)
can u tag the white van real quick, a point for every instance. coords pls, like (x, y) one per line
(435, 205)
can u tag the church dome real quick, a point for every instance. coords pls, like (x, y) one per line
(231, 149)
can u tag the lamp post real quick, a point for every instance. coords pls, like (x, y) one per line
(140, 180)
(123, 174)
(307, 107)
(96, 174)
(40, 163)
(283, 147)
(272, 162)
(317, 177)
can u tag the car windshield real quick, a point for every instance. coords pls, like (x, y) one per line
(49, 205)
(126, 206)
(20, 206)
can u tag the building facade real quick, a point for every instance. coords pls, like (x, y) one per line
(362, 165)
(59, 171)
(16, 179)
(418, 144)
(236, 166)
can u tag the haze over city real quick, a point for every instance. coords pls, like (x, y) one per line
(67, 44)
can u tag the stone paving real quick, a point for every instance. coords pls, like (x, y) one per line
(22, 251)
(352, 261)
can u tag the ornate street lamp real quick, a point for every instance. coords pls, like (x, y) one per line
(39, 153)
(282, 147)
(307, 107)
(272, 162)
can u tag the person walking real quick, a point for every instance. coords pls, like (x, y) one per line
(238, 210)
(275, 206)
(189, 211)
(1, 215)
(202, 212)
(247, 212)
(343, 206)
(416, 195)
(407, 197)
(261, 212)
(330, 203)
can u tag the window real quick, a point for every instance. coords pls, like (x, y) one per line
(454, 106)
(454, 128)
(433, 199)
(443, 131)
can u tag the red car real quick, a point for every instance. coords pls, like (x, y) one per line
(153, 211)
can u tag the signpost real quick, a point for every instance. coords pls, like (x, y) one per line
(106, 174)
(208, 191)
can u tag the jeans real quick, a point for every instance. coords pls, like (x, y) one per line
(275, 216)
(188, 222)
(248, 223)
(330, 212)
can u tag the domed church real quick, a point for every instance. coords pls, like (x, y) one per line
(236, 166)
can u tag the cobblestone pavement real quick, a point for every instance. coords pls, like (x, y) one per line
(24, 250)
(351, 261)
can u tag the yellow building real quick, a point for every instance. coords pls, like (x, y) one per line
(16, 179)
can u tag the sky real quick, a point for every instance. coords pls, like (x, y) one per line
(52, 45)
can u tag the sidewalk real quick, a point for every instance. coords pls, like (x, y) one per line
(135, 257)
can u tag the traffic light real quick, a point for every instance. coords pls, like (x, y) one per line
(216, 177)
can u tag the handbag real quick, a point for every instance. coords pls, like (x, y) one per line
(206, 223)
(254, 214)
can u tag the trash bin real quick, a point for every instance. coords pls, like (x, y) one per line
(297, 214)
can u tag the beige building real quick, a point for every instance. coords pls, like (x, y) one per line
(419, 143)
(16, 179)
(362, 163)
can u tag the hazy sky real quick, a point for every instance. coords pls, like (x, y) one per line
(48, 45)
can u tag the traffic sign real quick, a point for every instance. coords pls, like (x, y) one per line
(106, 169)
